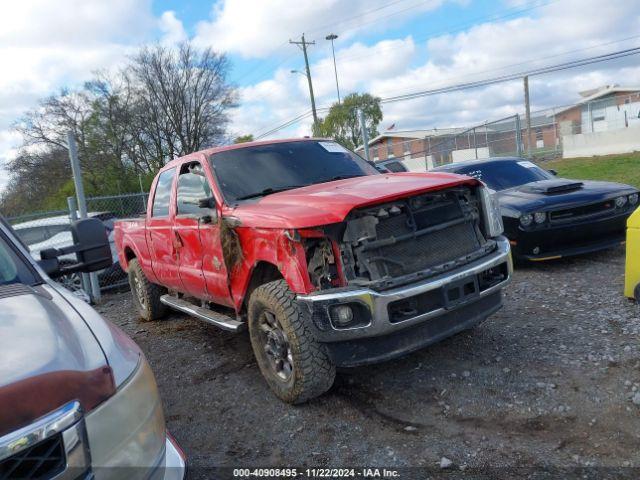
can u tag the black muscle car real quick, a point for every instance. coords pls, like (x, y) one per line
(546, 217)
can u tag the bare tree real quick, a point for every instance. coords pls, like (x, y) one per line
(182, 99)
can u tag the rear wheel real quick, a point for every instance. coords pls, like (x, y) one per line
(146, 295)
(296, 366)
(636, 293)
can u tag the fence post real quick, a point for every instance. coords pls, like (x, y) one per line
(475, 142)
(94, 289)
(144, 203)
(486, 137)
(518, 136)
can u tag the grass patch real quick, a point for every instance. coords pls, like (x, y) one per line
(624, 168)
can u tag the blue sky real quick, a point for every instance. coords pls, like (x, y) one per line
(385, 47)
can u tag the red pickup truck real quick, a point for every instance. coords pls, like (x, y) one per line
(325, 260)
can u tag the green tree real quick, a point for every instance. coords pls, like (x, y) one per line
(342, 122)
(243, 138)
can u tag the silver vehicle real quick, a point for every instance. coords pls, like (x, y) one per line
(77, 396)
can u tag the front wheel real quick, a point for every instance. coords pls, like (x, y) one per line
(296, 366)
(146, 295)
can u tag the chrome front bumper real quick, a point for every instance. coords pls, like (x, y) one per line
(175, 467)
(318, 304)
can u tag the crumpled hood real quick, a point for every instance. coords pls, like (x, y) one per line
(331, 202)
(49, 357)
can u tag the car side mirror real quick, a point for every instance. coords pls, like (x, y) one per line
(210, 204)
(552, 172)
(49, 265)
(90, 244)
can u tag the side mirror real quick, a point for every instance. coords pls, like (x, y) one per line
(210, 204)
(552, 172)
(90, 244)
(51, 266)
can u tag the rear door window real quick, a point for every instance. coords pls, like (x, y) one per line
(162, 197)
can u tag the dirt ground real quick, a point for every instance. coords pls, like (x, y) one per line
(547, 383)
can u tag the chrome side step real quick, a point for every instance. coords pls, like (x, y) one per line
(219, 320)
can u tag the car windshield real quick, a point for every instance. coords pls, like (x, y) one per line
(259, 170)
(504, 174)
(13, 268)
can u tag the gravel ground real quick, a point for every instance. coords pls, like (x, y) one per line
(550, 381)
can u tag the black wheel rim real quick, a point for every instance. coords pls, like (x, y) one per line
(276, 346)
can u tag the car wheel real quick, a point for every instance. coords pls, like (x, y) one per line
(636, 293)
(296, 366)
(71, 281)
(146, 295)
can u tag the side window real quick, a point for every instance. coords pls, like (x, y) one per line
(192, 187)
(162, 196)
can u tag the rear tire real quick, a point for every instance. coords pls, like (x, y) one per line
(295, 365)
(146, 295)
(636, 292)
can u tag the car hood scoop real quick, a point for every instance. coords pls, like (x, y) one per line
(551, 187)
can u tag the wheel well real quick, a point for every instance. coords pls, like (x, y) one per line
(262, 273)
(129, 254)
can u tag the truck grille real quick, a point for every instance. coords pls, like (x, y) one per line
(430, 250)
(43, 460)
(427, 233)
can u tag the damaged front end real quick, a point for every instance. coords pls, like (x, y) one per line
(400, 242)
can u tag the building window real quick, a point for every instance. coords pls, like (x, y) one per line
(539, 138)
(389, 147)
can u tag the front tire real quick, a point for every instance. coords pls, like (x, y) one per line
(146, 295)
(295, 365)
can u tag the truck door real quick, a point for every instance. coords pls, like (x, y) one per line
(197, 230)
(164, 259)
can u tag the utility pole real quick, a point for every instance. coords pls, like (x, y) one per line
(365, 134)
(82, 206)
(332, 37)
(527, 107)
(303, 45)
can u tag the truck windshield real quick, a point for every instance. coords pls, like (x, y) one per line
(13, 268)
(504, 173)
(260, 170)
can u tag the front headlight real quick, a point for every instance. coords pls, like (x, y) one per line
(633, 198)
(491, 213)
(127, 432)
(540, 217)
(621, 202)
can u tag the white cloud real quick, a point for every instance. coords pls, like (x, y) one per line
(45, 45)
(172, 28)
(484, 51)
(255, 28)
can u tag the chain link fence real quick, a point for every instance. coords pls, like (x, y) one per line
(51, 229)
(550, 134)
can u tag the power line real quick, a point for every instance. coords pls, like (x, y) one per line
(517, 75)
(486, 82)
